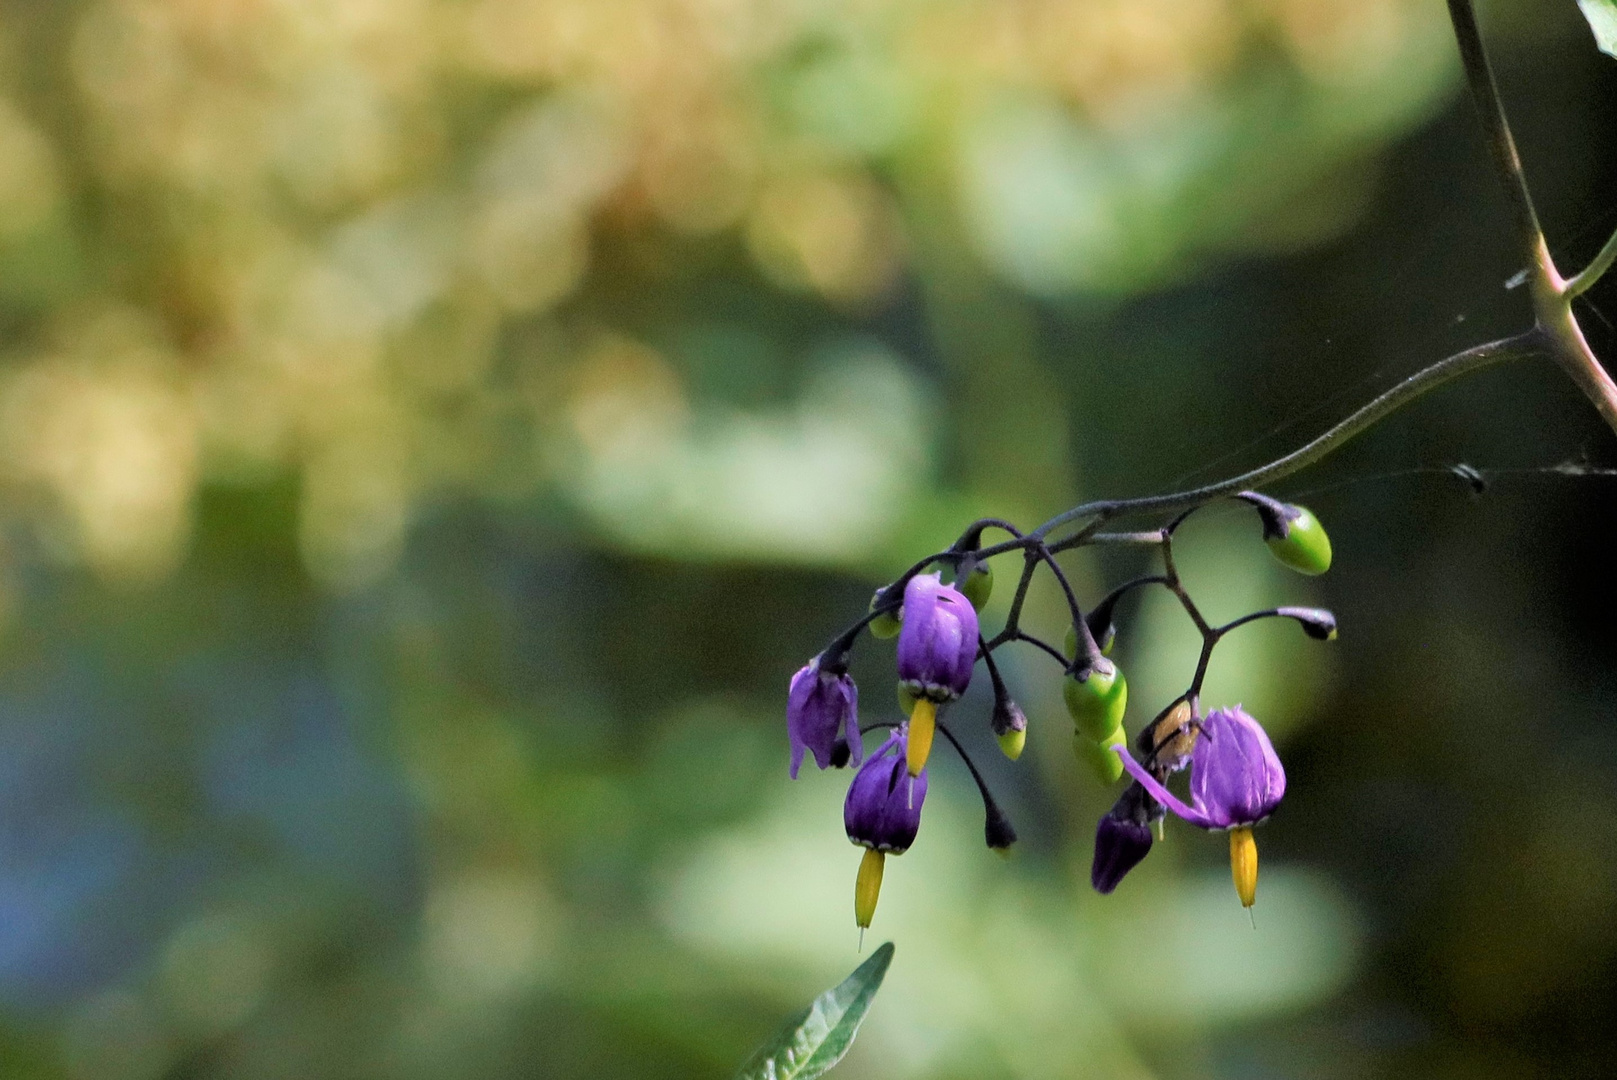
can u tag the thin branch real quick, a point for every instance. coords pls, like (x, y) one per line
(1592, 273)
(1531, 343)
(1054, 652)
(1145, 538)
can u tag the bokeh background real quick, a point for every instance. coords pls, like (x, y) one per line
(433, 431)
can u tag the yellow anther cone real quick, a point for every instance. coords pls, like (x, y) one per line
(1244, 865)
(868, 887)
(923, 723)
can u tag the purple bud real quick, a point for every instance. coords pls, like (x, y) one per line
(1236, 778)
(822, 715)
(883, 807)
(1122, 838)
(1119, 847)
(937, 647)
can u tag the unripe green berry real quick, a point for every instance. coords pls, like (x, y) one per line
(1099, 756)
(1098, 701)
(888, 624)
(1013, 742)
(978, 585)
(1305, 547)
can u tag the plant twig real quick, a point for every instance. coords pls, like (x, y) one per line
(1592, 273)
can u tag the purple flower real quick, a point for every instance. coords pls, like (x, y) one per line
(822, 715)
(883, 807)
(938, 645)
(1236, 779)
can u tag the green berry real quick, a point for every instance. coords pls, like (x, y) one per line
(1304, 547)
(1099, 756)
(978, 585)
(1012, 742)
(1097, 702)
(886, 625)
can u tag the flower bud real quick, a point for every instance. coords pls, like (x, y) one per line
(1317, 623)
(887, 624)
(1120, 845)
(997, 829)
(976, 584)
(1096, 697)
(1122, 838)
(1100, 756)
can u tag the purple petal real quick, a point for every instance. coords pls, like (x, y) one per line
(915, 638)
(797, 703)
(850, 699)
(1162, 794)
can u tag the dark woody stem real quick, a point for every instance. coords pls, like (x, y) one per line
(1266, 613)
(1177, 587)
(1040, 643)
(1129, 586)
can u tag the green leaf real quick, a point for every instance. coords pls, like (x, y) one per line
(1602, 16)
(816, 1038)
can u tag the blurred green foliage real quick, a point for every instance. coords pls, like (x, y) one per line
(432, 432)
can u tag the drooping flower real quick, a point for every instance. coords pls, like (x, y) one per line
(1236, 781)
(822, 716)
(882, 814)
(937, 649)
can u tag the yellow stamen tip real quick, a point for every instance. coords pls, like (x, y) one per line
(867, 887)
(923, 723)
(1244, 865)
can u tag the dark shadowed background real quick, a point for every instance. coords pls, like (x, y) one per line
(433, 431)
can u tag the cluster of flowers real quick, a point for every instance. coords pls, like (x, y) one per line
(1236, 779)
